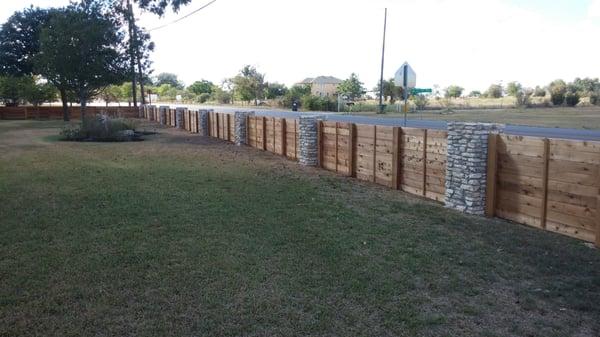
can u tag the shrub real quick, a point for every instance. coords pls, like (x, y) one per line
(523, 98)
(420, 101)
(557, 98)
(100, 128)
(317, 103)
(595, 98)
(203, 97)
(539, 92)
(572, 98)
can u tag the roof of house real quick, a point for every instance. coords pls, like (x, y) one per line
(321, 80)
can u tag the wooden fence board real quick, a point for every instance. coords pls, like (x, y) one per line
(557, 179)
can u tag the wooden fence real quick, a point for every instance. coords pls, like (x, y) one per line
(221, 125)
(56, 112)
(546, 183)
(412, 160)
(277, 135)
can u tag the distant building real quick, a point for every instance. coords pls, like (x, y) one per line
(322, 85)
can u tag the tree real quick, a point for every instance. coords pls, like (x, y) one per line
(221, 96)
(420, 101)
(494, 91)
(201, 87)
(391, 92)
(557, 89)
(168, 78)
(37, 92)
(586, 86)
(295, 94)
(453, 91)
(351, 87)
(275, 90)
(111, 93)
(19, 41)
(513, 88)
(573, 95)
(11, 89)
(539, 92)
(249, 84)
(475, 93)
(95, 57)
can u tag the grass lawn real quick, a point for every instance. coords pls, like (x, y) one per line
(181, 235)
(579, 118)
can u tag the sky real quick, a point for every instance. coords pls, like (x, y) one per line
(471, 43)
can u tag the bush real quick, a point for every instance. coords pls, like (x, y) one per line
(317, 103)
(420, 101)
(100, 128)
(557, 98)
(572, 98)
(203, 97)
(595, 98)
(523, 99)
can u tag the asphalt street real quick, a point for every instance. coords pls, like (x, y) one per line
(522, 130)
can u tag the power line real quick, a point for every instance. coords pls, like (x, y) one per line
(183, 17)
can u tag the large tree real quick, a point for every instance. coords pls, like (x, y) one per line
(201, 87)
(351, 87)
(249, 84)
(19, 41)
(391, 92)
(168, 78)
(81, 50)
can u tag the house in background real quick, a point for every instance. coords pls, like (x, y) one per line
(322, 85)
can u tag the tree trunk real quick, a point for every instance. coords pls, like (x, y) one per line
(132, 46)
(65, 104)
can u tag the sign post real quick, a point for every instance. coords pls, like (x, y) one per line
(407, 79)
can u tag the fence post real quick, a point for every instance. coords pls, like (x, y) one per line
(337, 125)
(466, 170)
(264, 133)
(320, 144)
(598, 221)
(351, 149)
(374, 153)
(546, 158)
(396, 139)
(283, 137)
(424, 162)
(492, 175)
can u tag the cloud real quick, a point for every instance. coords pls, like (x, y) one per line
(594, 9)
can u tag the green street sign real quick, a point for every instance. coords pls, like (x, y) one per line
(415, 91)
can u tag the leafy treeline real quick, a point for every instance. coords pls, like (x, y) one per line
(75, 52)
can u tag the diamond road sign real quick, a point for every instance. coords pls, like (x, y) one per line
(405, 77)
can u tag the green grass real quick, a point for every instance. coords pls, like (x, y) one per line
(183, 236)
(579, 117)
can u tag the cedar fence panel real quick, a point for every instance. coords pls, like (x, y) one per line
(336, 147)
(548, 183)
(56, 112)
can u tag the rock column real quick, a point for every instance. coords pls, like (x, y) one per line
(466, 171)
(240, 120)
(308, 142)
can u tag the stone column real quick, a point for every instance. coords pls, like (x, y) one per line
(203, 121)
(466, 171)
(308, 141)
(163, 110)
(240, 123)
(179, 113)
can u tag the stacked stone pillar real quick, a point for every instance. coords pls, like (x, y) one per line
(179, 116)
(466, 172)
(203, 121)
(163, 110)
(240, 121)
(308, 141)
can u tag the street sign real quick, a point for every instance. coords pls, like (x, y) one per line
(416, 91)
(405, 77)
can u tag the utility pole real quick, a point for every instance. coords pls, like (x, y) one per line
(132, 52)
(382, 61)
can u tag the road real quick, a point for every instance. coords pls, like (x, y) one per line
(521, 130)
